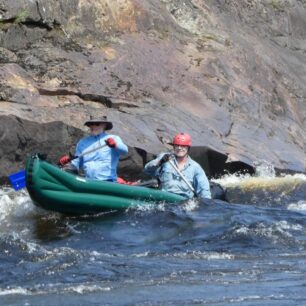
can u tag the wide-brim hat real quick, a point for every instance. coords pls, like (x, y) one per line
(102, 119)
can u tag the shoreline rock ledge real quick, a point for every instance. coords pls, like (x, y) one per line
(230, 73)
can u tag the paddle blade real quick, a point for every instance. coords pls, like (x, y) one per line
(17, 179)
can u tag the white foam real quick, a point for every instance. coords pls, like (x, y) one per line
(283, 185)
(299, 206)
(231, 179)
(6, 206)
(264, 169)
(263, 178)
(190, 205)
(272, 231)
(151, 207)
(299, 176)
(87, 288)
(145, 254)
(284, 225)
(54, 288)
(14, 291)
(204, 255)
(272, 297)
(15, 203)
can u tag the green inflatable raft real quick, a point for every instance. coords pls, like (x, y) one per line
(54, 189)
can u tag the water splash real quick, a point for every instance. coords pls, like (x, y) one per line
(14, 203)
(264, 169)
(264, 188)
(299, 206)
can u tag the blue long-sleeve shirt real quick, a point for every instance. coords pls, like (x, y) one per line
(171, 181)
(101, 164)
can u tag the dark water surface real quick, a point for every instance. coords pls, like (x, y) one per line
(212, 253)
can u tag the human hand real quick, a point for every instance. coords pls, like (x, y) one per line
(166, 157)
(64, 160)
(111, 142)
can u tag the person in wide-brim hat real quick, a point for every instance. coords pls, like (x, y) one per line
(97, 154)
(98, 120)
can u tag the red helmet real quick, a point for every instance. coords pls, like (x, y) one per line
(182, 139)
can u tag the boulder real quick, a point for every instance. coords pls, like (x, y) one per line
(230, 73)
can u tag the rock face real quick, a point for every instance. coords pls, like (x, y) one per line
(230, 73)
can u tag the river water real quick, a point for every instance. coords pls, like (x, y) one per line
(251, 251)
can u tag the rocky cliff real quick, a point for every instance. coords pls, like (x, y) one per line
(231, 73)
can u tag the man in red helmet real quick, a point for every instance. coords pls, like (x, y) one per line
(177, 172)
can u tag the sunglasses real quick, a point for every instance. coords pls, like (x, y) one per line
(93, 124)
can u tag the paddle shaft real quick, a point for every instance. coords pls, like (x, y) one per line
(89, 151)
(181, 175)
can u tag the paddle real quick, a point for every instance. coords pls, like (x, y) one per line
(182, 176)
(17, 179)
(89, 151)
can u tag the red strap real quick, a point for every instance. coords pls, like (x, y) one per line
(120, 180)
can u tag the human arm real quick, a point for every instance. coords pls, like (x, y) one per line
(152, 166)
(64, 160)
(77, 162)
(65, 163)
(117, 144)
(201, 184)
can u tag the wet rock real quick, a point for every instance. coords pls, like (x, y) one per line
(6, 56)
(230, 73)
(15, 85)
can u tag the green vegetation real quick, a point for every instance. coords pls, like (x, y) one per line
(21, 17)
(210, 37)
(277, 5)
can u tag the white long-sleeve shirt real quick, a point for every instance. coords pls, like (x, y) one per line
(101, 164)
